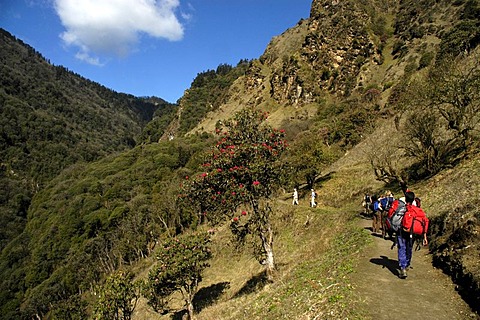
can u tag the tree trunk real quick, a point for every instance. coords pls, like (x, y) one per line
(267, 241)
(188, 294)
(190, 310)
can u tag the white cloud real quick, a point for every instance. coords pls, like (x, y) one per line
(113, 26)
(83, 56)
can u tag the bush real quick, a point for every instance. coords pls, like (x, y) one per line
(180, 265)
(117, 297)
(426, 59)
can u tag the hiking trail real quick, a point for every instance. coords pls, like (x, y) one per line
(427, 293)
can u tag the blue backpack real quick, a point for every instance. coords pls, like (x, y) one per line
(384, 203)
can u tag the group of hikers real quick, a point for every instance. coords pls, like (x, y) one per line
(401, 220)
(313, 196)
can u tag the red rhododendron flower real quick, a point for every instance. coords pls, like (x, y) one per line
(235, 219)
(256, 183)
(244, 213)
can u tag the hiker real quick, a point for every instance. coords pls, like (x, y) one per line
(295, 197)
(413, 220)
(393, 222)
(376, 214)
(313, 204)
(390, 198)
(385, 203)
(367, 200)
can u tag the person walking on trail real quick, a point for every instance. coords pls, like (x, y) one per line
(376, 214)
(385, 202)
(295, 197)
(367, 200)
(313, 204)
(405, 238)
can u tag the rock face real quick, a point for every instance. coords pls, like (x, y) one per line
(336, 46)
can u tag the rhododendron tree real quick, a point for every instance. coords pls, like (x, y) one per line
(238, 177)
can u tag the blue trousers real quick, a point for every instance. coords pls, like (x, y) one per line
(405, 248)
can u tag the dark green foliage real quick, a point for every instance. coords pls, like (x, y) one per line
(411, 17)
(156, 128)
(307, 156)
(107, 213)
(426, 59)
(463, 37)
(74, 308)
(415, 20)
(399, 48)
(343, 123)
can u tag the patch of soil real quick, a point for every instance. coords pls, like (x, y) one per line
(427, 293)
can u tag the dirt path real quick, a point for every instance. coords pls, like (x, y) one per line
(426, 294)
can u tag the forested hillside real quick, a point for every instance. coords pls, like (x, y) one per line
(52, 118)
(94, 182)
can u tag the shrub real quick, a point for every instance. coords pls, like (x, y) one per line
(181, 262)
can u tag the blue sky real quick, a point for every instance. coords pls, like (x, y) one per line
(149, 47)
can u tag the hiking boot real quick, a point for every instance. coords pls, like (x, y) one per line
(403, 274)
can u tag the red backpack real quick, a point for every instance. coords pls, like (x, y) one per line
(415, 220)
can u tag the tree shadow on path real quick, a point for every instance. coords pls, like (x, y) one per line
(385, 262)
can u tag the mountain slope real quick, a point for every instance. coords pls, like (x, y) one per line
(51, 118)
(349, 50)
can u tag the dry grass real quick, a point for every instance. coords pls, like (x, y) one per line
(311, 269)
